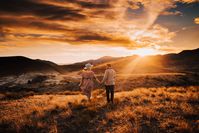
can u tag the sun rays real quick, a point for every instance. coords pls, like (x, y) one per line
(129, 68)
(146, 51)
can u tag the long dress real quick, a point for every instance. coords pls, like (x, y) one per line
(87, 82)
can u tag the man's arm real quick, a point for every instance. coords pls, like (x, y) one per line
(105, 76)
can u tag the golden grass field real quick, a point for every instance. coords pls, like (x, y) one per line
(138, 109)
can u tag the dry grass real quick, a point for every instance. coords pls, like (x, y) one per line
(164, 109)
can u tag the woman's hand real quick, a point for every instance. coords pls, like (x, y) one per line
(80, 85)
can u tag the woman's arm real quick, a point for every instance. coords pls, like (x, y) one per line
(96, 78)
(81, 81)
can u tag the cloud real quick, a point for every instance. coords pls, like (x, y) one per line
(178, 13)
(93, 37)
(126, 23)
(13, 22)
(91, 4)
(2, 35)
(196, 20)
(29, 7)
(188, 1)
(155, 36)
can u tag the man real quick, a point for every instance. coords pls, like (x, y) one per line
(109, 81)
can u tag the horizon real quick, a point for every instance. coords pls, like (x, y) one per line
(142, 56)
(68, 31)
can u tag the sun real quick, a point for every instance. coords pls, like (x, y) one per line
(146, 51)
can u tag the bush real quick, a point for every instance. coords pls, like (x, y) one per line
(38, 79)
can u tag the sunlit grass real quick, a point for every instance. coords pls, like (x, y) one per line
(172, 109)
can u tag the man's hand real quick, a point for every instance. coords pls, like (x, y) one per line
(101, 82)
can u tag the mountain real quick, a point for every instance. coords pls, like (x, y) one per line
(185, 61)
(190, 53)
(16, 65)
(96, 62)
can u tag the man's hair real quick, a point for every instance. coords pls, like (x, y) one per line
(109, 65)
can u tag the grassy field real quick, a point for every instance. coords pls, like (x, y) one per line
(157, 104)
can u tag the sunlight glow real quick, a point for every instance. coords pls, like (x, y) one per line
(146, 51)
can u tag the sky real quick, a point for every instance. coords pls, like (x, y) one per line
(68, 31)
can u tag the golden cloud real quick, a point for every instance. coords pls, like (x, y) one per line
(188, 1)
(127, 23)
(172, 13)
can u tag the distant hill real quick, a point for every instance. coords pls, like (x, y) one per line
(185, 61)
(16, 65)
(80, 65)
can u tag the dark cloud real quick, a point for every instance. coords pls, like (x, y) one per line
(48, 26)
(49, 15)
(100, 13)
(12, 22)
(2, 35)
(29, 7)
(95, 37)
(83, 37)
(102, 38)
(88, 4)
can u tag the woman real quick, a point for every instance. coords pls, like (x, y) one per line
(87, 80)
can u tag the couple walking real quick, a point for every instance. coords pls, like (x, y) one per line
(88, 77)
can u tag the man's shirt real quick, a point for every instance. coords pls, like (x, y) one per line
(109, 77)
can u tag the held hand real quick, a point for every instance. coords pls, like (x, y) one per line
(101, 82)
(98, 81)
